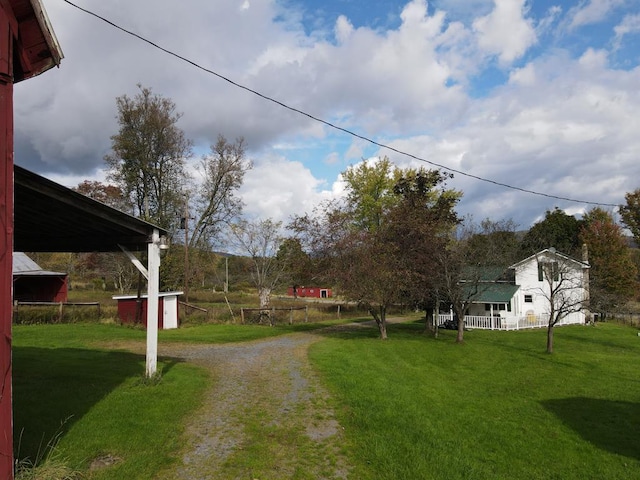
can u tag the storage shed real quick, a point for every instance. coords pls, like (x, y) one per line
(33, 284)
(133, 309)
(313, 292)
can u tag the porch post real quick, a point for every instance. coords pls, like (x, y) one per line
(153, 290)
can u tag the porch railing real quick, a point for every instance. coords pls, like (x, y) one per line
(506, 322)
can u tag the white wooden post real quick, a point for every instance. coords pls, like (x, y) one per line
(153, 290)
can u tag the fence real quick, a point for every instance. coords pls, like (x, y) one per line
(505, 323)
(60, 307)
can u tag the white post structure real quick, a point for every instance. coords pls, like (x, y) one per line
(153, 290)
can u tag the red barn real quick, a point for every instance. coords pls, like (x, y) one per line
(309, 292)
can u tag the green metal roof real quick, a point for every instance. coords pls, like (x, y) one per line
(495, 292)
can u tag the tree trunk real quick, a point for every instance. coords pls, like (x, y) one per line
(265, 297)
(428, 319)
(550, 338)
(381, 321)
(460, 315)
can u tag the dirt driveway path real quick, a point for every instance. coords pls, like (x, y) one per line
(266, 404)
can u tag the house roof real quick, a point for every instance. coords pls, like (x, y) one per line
(23, 266)
(495, 292)
(51, 218)
(551, 252)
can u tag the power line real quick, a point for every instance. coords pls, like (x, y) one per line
(329, 124)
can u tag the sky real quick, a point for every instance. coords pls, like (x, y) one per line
(531, 105)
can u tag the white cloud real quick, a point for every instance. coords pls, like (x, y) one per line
(592, 11)
(277, 188)
(505, 31)
(630, 24)
(563, 123)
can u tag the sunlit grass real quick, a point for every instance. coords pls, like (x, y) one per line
(495, 407)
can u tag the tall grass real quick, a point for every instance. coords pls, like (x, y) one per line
(495, 407)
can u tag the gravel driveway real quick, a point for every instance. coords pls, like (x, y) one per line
(266, 398)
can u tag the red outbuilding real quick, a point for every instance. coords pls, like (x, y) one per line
(309, 292)
(133, 309)
(33, 284)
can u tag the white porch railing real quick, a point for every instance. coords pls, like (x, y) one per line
(507, 322)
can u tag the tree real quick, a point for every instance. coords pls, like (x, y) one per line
(613, 273)
(260, 240)
(368, 246)
(148, 157)
(216, 203)
(298, 266)
(370, 191)
(420, 224)
(564, 289)
(630, 213)
(110, 195)
(557, 230)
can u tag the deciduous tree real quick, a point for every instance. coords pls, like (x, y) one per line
(215, 200)
(148, 157)
(630, 213)
(613, 273)
(260, 241)
(558, 230)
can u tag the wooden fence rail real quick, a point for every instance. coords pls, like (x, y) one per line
(60, 305)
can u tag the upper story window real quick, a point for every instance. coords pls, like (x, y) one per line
(548, 268)
(528, 299)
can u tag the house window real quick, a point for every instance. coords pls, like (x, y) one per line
(497, 307)
(528, 299)
(546, 268)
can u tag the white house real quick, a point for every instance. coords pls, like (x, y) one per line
(542, 282)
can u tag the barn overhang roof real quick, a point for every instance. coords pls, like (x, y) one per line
(38, 48)
(49, 217)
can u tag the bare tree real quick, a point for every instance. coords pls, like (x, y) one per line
(563, 287)
(260, 240)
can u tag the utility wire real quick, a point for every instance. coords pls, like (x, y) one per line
(329, 124)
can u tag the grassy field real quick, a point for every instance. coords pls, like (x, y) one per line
(412, 407)
(495, 407)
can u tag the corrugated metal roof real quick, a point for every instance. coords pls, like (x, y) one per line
(25, 266)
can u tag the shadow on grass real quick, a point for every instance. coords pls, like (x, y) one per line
(53, 388)
(611, 425)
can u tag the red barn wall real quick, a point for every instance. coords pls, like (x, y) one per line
(127, 311)
(40, 288)
(309, 292)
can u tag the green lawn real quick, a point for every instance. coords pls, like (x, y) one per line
(495, 407)
(412, 407)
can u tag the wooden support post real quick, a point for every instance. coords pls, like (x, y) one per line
(6, 238)
(306, 313)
